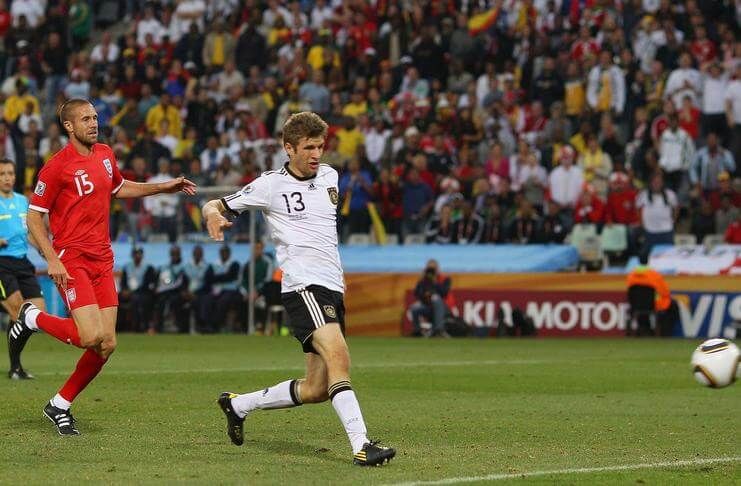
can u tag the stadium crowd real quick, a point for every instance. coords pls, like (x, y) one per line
(465, 121)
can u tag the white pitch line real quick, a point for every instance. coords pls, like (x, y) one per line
(425, 364)
(584, 470)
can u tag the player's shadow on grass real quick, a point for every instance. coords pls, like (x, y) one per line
(276, 446)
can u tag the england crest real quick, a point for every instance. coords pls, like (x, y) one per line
(71, 295)
(108, 168)
(333, 195)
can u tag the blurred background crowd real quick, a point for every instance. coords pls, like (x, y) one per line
(451, 121)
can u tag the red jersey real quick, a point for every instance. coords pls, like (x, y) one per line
(76, 191)
(621, 208)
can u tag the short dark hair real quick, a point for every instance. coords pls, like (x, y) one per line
(303, 125)
(66, 109)
(7, 161)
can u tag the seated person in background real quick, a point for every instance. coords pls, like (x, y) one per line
(263, 274)
(172, 285)
(432, 293)
(138, 281)
(667, 311)
(224, 279)
(197, 296)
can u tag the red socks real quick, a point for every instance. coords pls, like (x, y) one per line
(87, 368)
(63, 329)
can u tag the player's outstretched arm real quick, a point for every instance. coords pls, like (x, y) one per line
(213, 214)
(40, 234)
(141, 189)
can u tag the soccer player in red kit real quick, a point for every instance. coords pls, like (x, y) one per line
(75, 188)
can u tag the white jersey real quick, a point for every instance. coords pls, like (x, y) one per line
(302, 215)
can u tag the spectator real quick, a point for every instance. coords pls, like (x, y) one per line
(224, 279)
(709, 163)
(468, 227)
(170, 293)
(17, 103)
(417, 201)
(725, 215)
(165, 110)
(524, 226)
(606, 86)
(677, 153)
(218, 50)
(431, 293)
(349, 138)
(163, 207)
(684, 81)
(316, 93)
(197, 296)
(733, 110)
(138, 281)
(356, 190)
(714, 83)
(263, 273)
(589, 209)
(732, 235)
(659, 210)
(597, 166)
(703, 221)
(551, 228)
(565, 184)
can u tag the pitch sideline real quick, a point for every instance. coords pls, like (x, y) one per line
(585, 470)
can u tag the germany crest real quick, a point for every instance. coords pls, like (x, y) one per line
(333, 195)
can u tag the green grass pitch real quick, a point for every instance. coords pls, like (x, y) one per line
(508, 411)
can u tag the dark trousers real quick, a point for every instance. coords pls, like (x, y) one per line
(135, 312)
(221, 304)
(171, 303)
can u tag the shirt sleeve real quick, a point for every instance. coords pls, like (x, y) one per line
(254, 195)
(48, 187)
(118, 179)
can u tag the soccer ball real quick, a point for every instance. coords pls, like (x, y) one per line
(715, 363)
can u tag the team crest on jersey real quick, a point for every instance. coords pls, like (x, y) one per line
(329, 310)
(71, 295)
(333, 195)
(40, 188)
(108, 167)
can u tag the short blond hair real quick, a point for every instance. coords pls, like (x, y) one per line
(306, 124)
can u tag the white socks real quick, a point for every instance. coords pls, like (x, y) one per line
(282, 395)
(60, 402)
(348, 410)
(31, 315)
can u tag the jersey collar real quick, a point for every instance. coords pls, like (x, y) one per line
(296, 176)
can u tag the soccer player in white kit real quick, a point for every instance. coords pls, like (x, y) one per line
(299, 202)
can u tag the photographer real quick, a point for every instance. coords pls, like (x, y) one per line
(432, 293)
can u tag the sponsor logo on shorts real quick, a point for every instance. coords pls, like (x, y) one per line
(40, 188)
(329, 310)
(71, 295)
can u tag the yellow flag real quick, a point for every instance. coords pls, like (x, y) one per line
(345, 211)
(377, 224)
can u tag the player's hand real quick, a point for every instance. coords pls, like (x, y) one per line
(179, 184)
(216, 224)
(59, 274)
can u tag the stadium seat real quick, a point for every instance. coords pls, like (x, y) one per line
(711, 241)
(681, 239)
(615, 238)
(359, 239)
(157, 238)
(590, 250)
(414, 239)
(579, 232)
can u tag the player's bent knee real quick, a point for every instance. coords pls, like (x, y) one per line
(107, 347)
(91, 340)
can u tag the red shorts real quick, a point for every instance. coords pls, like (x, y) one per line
(92, 281)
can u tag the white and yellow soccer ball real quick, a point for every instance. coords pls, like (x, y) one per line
(715, 363)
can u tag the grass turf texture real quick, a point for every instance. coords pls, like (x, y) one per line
(452, 408)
